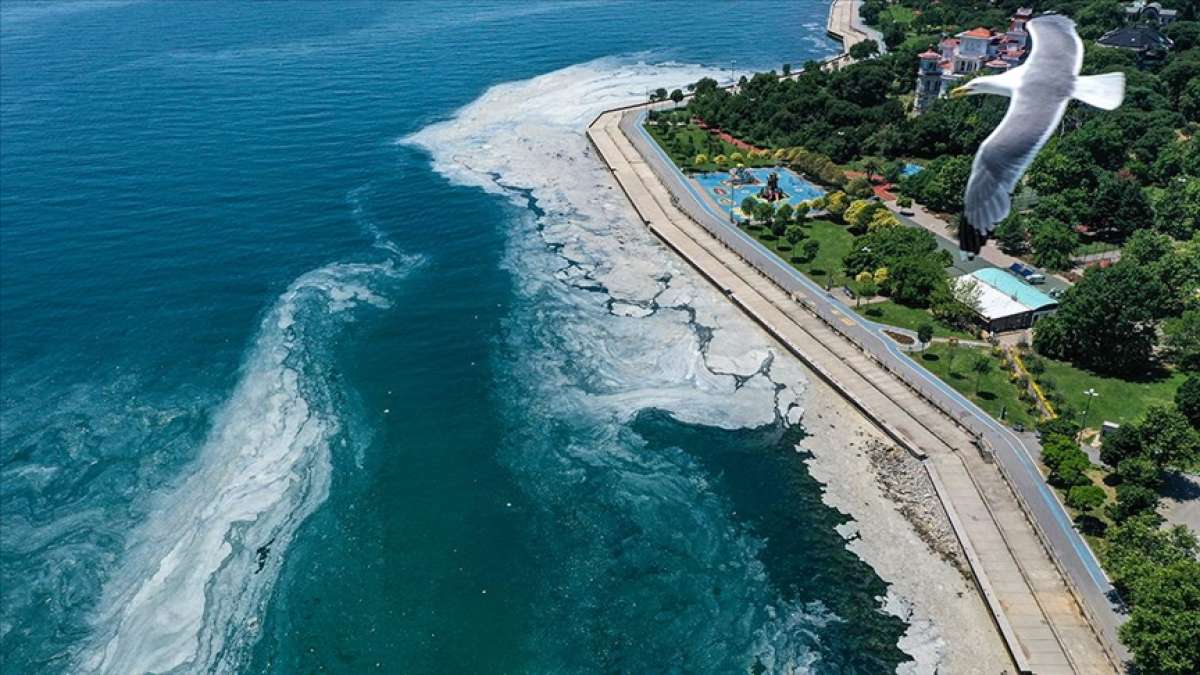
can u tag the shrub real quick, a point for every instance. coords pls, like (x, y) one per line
(904, 202)
(1085, 497)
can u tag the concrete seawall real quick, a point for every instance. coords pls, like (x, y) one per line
(844, 24)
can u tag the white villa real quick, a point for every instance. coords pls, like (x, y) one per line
(968, 52)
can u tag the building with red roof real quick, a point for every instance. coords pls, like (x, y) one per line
(968, 52)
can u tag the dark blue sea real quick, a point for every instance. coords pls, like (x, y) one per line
(327, 345)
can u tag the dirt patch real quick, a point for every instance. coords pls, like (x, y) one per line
(900, 337)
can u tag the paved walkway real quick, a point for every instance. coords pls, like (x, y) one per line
(844, 24)
(1035, 611)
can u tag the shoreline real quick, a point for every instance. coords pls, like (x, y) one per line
(1032, 607)
(910, 546)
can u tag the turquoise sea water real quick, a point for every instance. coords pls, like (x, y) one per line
(326, 345)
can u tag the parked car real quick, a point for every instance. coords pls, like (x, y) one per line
(1027, 273)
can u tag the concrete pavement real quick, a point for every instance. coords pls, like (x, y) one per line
(1033, 606)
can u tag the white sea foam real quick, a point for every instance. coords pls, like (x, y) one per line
(528, 135)
(666, 341)
(193, 580)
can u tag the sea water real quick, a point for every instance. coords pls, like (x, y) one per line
(328, 344)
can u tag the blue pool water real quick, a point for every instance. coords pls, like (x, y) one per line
(718, 185)
(328, 346)
(910, 169)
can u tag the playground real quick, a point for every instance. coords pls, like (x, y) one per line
(729, 188)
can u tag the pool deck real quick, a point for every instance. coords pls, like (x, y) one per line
(974, 463)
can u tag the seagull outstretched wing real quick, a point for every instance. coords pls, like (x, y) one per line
(1041, 90)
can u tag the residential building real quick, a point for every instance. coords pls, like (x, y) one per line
(968, 52)
(1149, 12)
(1144, 39)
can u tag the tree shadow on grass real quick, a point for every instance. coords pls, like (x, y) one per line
(1091, 525)
(816, 272)
(874, 312)
(926, 356)
(986, 395)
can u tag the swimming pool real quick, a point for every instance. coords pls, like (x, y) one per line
(718, 186)
(910, 168)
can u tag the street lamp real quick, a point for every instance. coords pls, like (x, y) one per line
(1091, 393)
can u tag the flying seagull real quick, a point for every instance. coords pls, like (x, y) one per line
(1040, 90)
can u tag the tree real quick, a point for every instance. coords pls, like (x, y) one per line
(1168, 439)
(1140, 471)
(982, 365)
(1120, 206)
(748, 207)
(1106, 321)
(836, 204)
(1177, 208)
(1182, 340)
(864, 50)
(925, 334)
(858, 214)
(1163, 630)
(784, 213)
(860, 188)
(811, 248)
(1085, 498)
(1133, 500)
(677, 97)
(794, 234)
(800, 211)
(1120, 445)
(1137, 545)
(915, 279)
(864, 287)
(659, 94)
(1012, 235)
(1187, 400)
(1158, 574)
(882, 218)
(1053, 243)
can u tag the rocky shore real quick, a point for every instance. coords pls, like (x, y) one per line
(900, 529)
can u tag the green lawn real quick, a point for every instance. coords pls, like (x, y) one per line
(892, 314)
(996, 392)
(1120, 401)
(835, 243)
(691, 140)
(898, 14)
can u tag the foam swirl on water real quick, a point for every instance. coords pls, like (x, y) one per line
(194, 579)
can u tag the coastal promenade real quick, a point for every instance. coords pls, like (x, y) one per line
(845, 25)
(1035, 610)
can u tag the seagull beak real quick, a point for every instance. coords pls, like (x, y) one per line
(959, 92)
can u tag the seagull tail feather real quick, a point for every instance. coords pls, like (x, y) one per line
(1103, 91)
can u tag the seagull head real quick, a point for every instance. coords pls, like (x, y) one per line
(988, 84)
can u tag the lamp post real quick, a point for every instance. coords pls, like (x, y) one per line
(1091, 393)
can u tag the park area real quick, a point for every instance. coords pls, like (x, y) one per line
(982, 377)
